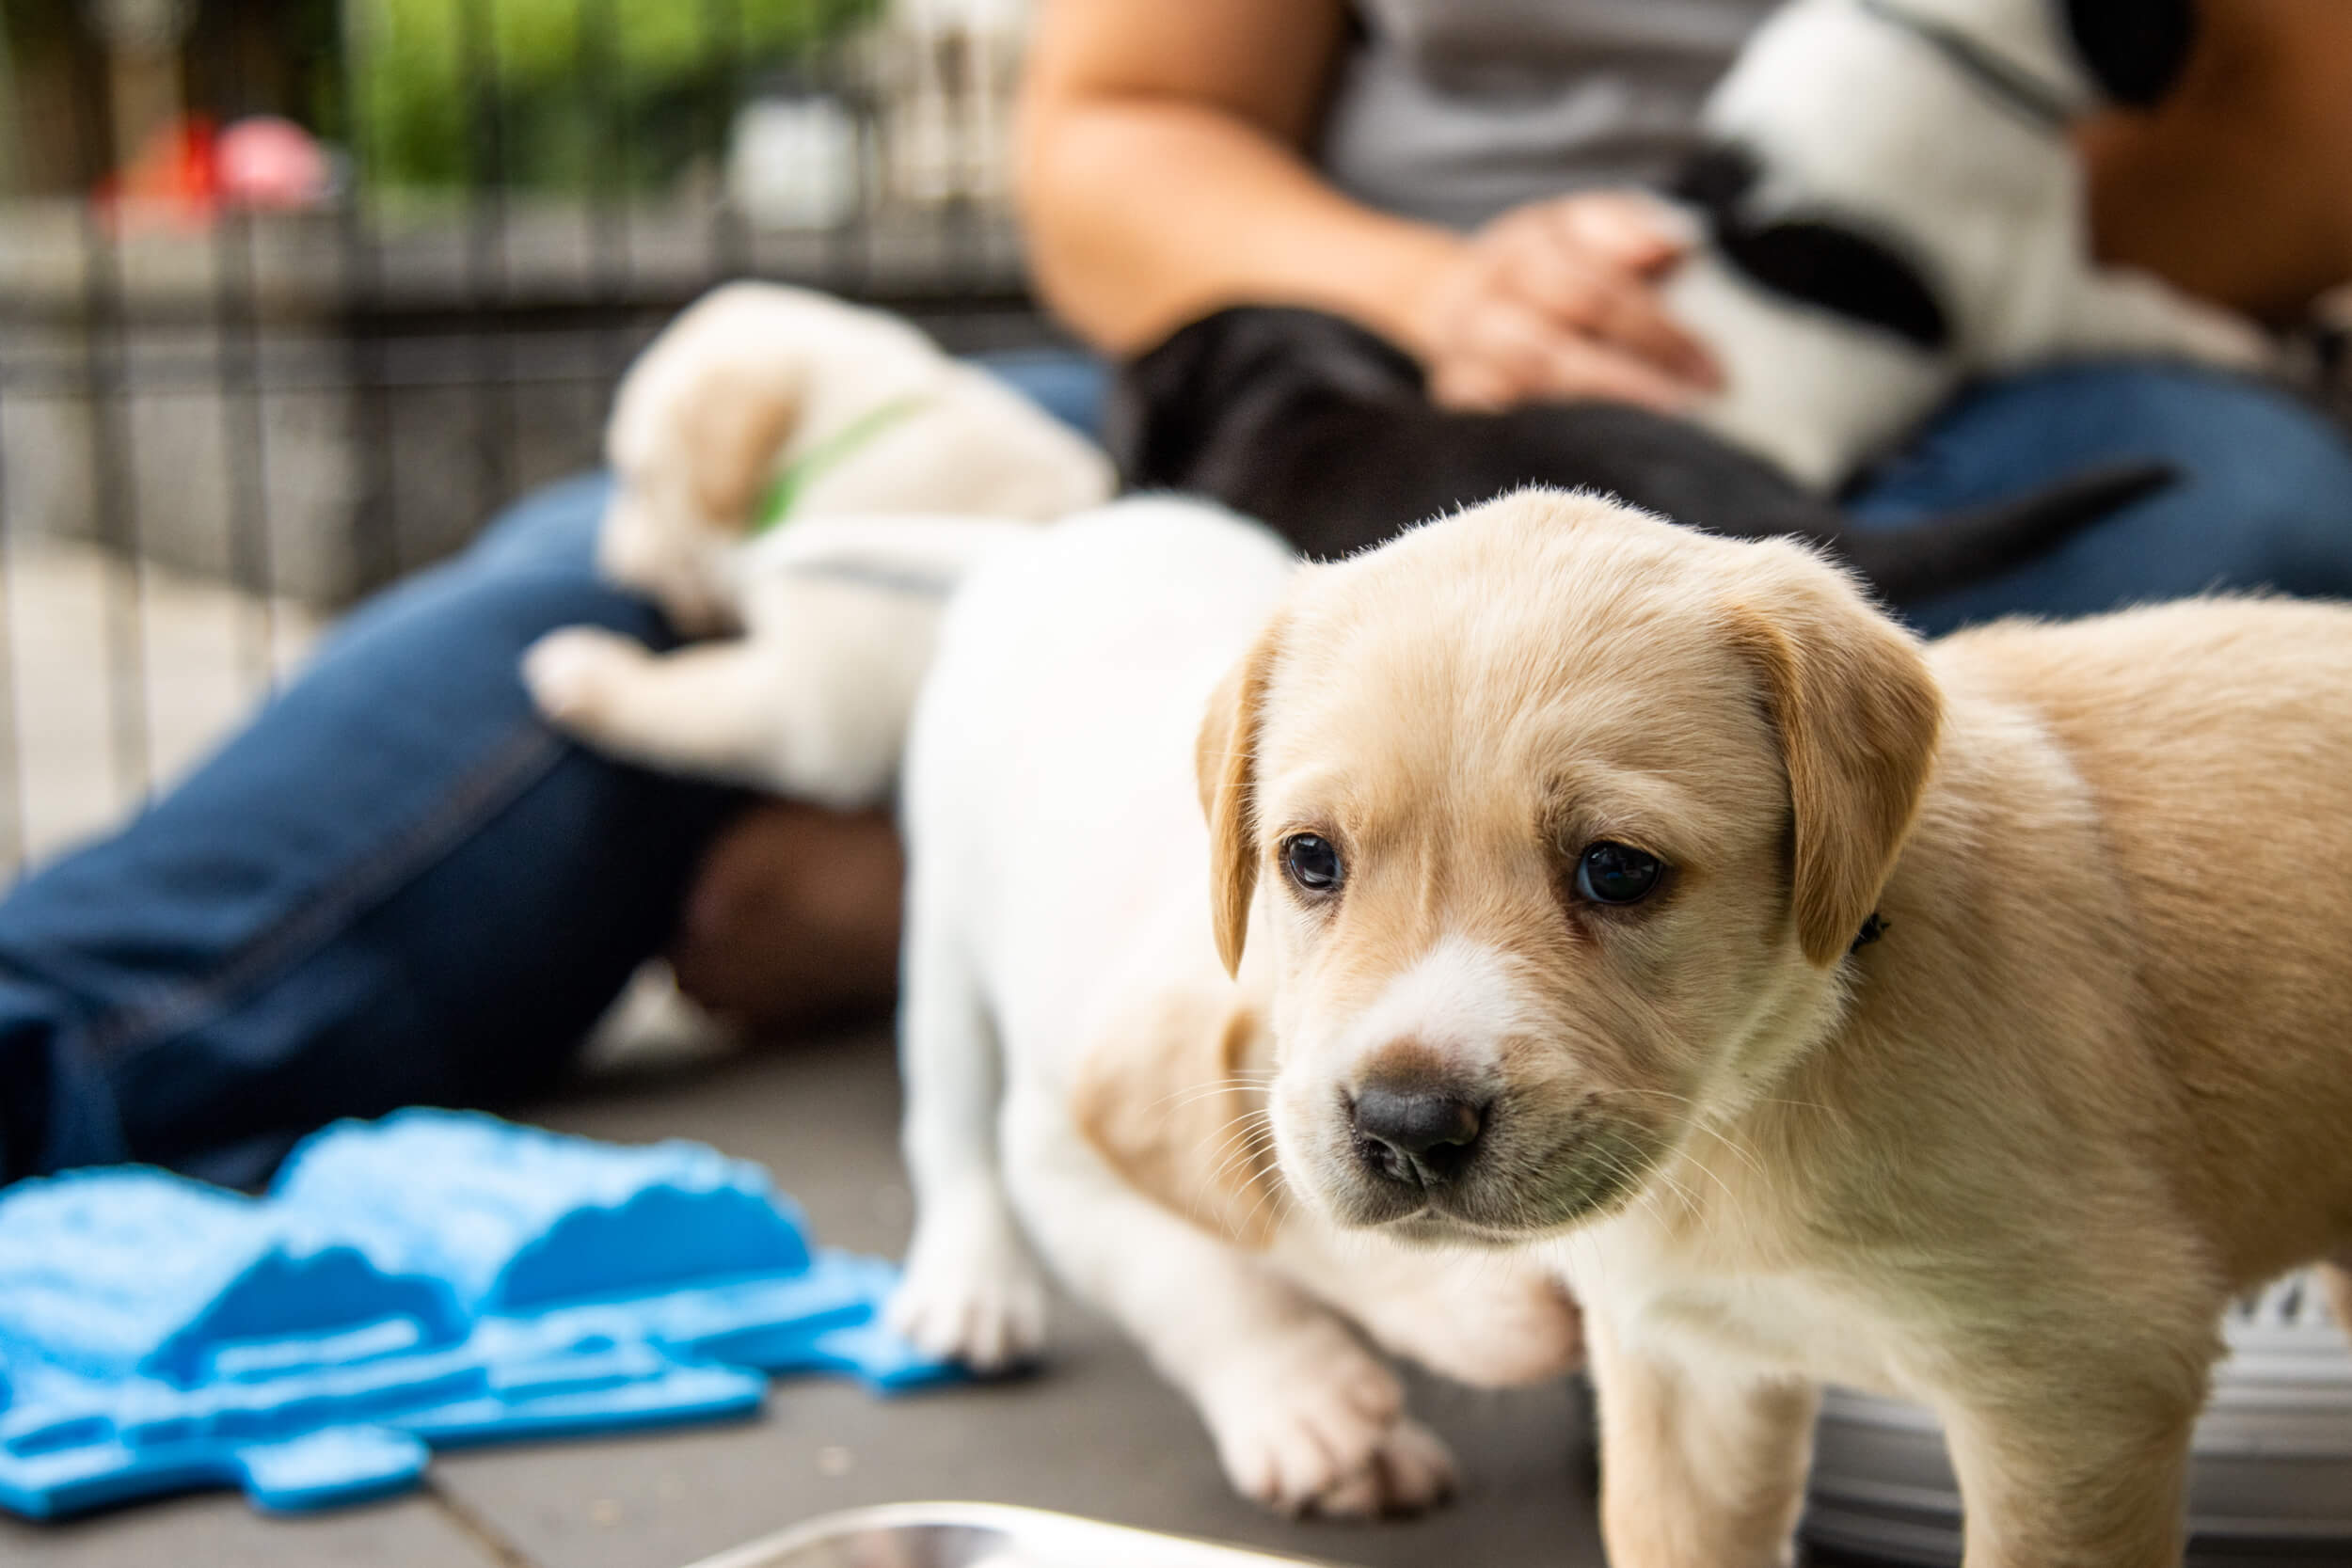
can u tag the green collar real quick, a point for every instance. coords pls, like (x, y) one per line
(775, 507)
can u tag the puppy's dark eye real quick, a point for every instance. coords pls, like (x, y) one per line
(1312, 862)
(1610, 873)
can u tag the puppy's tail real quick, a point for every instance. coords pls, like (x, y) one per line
(1956, 548)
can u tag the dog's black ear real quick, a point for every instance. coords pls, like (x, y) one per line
(1817, 259)
(1839, 268)
(1717, 179)
(1157, 418)
(2136, 50)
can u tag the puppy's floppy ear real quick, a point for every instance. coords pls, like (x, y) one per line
(1225, 760)
(1164, 1096)
(2136, 50)
(1858, 712)
(730, 427)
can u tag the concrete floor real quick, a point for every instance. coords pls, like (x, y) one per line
(1096, 1434)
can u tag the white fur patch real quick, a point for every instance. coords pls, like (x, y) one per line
(1462, 999)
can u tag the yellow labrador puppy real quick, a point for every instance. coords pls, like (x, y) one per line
(1968, 1021)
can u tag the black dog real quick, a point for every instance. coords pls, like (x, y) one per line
(1324, 432)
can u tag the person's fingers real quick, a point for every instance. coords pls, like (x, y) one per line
(1601, 301)
(1504, 355)
(1507, 353)
(1588, 368)
(1472, 386)
(1631, 228)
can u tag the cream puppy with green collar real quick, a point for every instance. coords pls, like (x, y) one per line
(1892, 205)
(802, 478)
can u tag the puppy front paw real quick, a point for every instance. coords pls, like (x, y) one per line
(570, 674)
(970, 1292)
(1319, 1428)
(1412, 1472)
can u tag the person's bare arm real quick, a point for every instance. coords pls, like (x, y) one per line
(2239, 187)
(1163, 176)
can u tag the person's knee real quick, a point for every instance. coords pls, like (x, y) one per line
(2274, 477)
(2265, 499)
(522, 608)
(553, 527)
(467, 618)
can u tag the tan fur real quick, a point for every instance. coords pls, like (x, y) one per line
(1221, 757)
(1164, 1099)
(2338, 1278)
(2013, 1160)
(734, 424)
(1082, 1076)
(908, 467)
(1857, 714)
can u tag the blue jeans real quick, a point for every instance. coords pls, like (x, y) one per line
(2265, 501)
(396, 886)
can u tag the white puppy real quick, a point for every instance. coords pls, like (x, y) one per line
(1906, 163)
(1076, 1055)
(808, 473)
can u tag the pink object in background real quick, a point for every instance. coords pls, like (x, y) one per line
(187, 171)
(266, 161)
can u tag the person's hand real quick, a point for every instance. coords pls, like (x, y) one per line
(1558, 300)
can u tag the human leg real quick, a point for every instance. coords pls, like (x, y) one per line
(796, 914)
(1069, 383)
(2264, 501)
(395, 884)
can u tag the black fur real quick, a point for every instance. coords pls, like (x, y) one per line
(2136, 50)
(1822, 261)
(1324, 432)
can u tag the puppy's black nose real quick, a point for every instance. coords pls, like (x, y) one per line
(1418, 1134)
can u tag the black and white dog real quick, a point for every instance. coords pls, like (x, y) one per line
(1890, 205)
(1323, 430)
(1893, 205)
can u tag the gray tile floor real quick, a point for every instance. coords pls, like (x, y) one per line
(1096, 1434)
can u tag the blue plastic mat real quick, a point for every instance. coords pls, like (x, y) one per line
(431, 1278)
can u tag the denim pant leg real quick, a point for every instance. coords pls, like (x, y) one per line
(1069, 384)
(2265, 501)
(395, 885)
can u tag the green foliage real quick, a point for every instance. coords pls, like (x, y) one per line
(566, 93)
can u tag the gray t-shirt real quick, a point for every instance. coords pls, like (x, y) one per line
(1453, 110)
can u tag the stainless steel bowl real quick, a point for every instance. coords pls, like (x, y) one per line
(981, 1535)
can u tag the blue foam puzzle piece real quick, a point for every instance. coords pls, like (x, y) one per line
(429, 1279)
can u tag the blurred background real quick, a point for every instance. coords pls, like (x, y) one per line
(295, 293)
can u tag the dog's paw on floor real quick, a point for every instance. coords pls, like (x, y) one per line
(1312, 1423)
(971, 1292)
